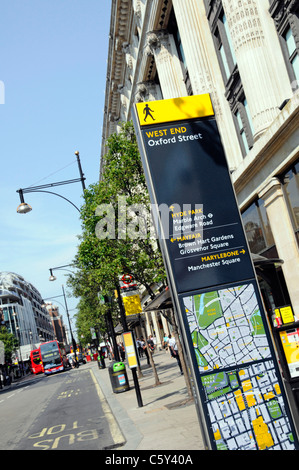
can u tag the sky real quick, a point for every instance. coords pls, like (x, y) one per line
(53, 64)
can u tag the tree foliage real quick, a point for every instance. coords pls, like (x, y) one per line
(117, 236)
(10, 343)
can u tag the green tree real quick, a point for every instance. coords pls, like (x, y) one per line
(112, 242)
(10, 343)
(90, 315)
(115, 210)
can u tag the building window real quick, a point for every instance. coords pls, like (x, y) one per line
(257, 228)
(285, 17)
(173, 29)
(223, 60)
(234, 92)
(226, 53)
(180, 48)
(290, 185)
(292, 53)
(242, 131)
(244, 125)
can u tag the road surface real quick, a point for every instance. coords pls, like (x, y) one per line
(65, 411)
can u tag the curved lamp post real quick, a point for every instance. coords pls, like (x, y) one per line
(53, 278)
(68, 317)
(24, 208)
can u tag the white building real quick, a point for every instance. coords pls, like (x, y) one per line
(22, 313)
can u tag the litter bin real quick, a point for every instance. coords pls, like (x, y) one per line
(118, 377)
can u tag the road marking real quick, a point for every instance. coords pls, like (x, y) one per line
(16, 392)
(116, 433)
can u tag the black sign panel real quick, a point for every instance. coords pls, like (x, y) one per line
(198, 210)
(212, 280)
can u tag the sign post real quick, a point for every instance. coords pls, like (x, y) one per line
(133, 362)
(129, 303)
(240, 394)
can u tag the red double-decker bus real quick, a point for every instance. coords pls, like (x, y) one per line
(36, 362)
(51, 357)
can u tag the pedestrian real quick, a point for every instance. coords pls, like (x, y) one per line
(65, 362)
(165, 342)
(151, 343)
(95, 356)
(174, 351)
(139, 347)
(71, 360)
(101, 359)
(144, 347)
(119, 350)
(122, 352)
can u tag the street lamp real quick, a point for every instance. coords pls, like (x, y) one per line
(71, 332)
(24, 208)
(68, 316)
(52, 277)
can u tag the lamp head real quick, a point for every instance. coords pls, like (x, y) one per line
(23, 208)
(52, 277)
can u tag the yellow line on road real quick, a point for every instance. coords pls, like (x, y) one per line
(116, 433)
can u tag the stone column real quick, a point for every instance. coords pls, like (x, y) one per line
(148, 330)
(204, 70)
(283, 233)
(252, 46)
(157, 330)
(161, 45)
(165, 325)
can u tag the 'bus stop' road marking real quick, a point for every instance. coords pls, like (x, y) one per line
(116, 433)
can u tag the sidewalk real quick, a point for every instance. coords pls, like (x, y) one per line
(168, 418)
(23, 378)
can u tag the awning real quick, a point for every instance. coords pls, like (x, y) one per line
(260, 261)
(161, 302)
(132, 321)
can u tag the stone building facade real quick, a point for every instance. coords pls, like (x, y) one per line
(245, 53)
(23, 314)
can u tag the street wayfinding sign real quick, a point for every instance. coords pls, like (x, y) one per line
(131, 353)
(132, 304)
(130, 295)
(241, 399)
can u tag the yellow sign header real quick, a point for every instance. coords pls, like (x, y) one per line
(132, 304)
(176, 109)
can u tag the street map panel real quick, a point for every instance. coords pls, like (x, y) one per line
(243, 396)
